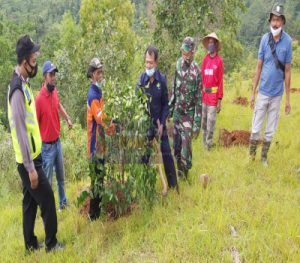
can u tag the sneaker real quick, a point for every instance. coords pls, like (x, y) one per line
(265, 162)
(63, 207)
(58, 247)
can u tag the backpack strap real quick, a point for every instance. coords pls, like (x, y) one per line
(278, 63)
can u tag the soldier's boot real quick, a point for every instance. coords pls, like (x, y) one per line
(186, 173)
(264, 153)
(180, 170)
(253, 146)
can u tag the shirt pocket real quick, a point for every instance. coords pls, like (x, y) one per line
(281, 53)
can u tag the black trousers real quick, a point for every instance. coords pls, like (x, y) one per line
(43, 197)
(97, 173)
(166, 154)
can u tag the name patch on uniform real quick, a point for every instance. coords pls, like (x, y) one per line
(209, 72)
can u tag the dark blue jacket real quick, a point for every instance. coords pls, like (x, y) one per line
(158, 95)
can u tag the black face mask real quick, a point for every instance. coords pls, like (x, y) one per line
(50, 87)
(34, 70)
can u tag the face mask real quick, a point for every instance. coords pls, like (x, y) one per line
(150, 72)
(50, 87)
(34, 70)
(275, 32)
(100, 84)
(211, 48)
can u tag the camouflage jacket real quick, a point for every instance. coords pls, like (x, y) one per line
(187, 93)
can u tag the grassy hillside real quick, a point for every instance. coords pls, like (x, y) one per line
(262, 204)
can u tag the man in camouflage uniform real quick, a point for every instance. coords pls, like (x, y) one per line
(186, 106)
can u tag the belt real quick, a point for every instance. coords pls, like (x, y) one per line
(211, 89)
(53, 142)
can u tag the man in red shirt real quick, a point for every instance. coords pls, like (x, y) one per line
(212, 78)
(48, 108)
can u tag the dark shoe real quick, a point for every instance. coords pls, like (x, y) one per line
(58, 247)
(30, 250)
(63, 207)
(180, 171)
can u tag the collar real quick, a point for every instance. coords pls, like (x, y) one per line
(282, 36)
(183, 63)
(44, 91)
(20, 76)
(156, 76)
(95, 87)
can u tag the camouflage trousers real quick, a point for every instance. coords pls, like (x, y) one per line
(209, 116)
(183, 126)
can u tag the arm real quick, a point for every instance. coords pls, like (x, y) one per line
(97, 108)
(165, 103)
(173, 96)
(19, 115)
(38, 109)
(220, 85)
(287, 88)
(261, 57)
(255, 81)
(288, 72)
(198, 106)
(65, 115)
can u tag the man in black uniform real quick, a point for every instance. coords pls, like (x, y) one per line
(154, 84)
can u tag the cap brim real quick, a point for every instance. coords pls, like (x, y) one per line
(53, 69)
(276, 14)
(185, 48)
(35, 48)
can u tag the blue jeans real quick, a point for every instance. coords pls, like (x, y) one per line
(53, 158)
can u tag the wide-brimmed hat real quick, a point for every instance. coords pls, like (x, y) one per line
(277, 10)
(214, 36)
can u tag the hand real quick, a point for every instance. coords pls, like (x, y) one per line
(252, 101)
(196, 134)
(34, 179)
(70, 124)
(219, 106)
(287, 108)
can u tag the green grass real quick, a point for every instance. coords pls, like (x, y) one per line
(261, 203)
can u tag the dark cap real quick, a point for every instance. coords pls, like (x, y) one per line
(277, 10)
(49, 67)
(188, 44)
(25, 47)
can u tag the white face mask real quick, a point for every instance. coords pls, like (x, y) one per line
(150, 72)
(100, 84)
(275, 32)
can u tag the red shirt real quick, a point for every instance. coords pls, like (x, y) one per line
(47, 107)
(212, 77)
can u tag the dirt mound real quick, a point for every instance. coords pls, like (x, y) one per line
(295, 90)
(237, 137)
(85, 208)
(241, 101)
(110, 208)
